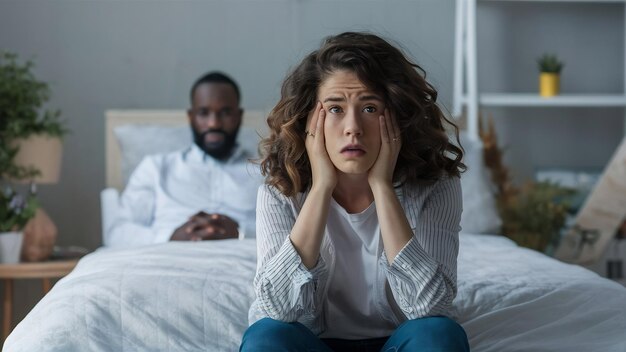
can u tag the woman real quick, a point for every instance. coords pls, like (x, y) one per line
(357, 226)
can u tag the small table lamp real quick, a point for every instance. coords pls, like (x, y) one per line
(42, 152)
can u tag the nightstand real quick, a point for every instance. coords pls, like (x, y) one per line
(37, 270)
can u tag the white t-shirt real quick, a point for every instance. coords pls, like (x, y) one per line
(352, 313)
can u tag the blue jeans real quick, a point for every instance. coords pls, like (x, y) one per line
(424, 335)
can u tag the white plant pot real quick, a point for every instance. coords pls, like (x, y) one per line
(10, 247)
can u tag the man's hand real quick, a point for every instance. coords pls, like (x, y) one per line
(203, 226)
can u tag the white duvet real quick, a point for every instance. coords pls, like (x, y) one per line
(195, 297)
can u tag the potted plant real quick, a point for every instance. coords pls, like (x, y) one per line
(536, 214)
(23, 120)
(30, 145)
(549, 78)
(16, 211)
(532, 215)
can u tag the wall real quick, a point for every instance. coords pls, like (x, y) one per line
(101, 55)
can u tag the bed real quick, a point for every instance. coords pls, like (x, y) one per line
(195, 296)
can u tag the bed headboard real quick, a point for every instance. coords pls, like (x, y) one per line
(253, 120)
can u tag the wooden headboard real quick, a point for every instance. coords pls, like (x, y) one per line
(254, 119)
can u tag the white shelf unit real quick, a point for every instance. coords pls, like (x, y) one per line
(564, 100)
(466, 94)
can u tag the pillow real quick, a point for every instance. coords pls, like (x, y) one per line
(480, 214)
(139, 140)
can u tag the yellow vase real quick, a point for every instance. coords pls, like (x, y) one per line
(549, 84)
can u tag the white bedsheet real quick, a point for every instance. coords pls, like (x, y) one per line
(516, 299)
(195, 297)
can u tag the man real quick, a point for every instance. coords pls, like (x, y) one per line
(204, 192)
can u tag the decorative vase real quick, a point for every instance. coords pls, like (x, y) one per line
(40, 234)
(10, 247)
(549, 84)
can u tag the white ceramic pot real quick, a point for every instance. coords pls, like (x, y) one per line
(10, 247)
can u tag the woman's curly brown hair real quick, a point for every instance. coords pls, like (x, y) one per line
(426, 153)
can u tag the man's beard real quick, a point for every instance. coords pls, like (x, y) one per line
(219, 150)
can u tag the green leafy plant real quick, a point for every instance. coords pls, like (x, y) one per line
(16, 209)
(22, 97)
(549, 63)
(532, 215)
(535, 215)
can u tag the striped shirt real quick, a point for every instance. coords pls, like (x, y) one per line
(420, 282)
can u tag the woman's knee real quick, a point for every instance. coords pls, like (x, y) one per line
(442, 326)
(431, 334)
(269, 328)
(273, 335)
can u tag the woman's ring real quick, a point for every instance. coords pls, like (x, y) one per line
(309, 133)
(395, 139)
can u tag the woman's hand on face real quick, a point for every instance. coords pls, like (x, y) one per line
(324, 172)
(381, 172)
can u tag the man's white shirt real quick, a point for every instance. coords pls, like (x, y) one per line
(165, 190)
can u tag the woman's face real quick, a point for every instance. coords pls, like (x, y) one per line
(352, 127)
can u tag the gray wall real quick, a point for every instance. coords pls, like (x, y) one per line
(145, 54)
